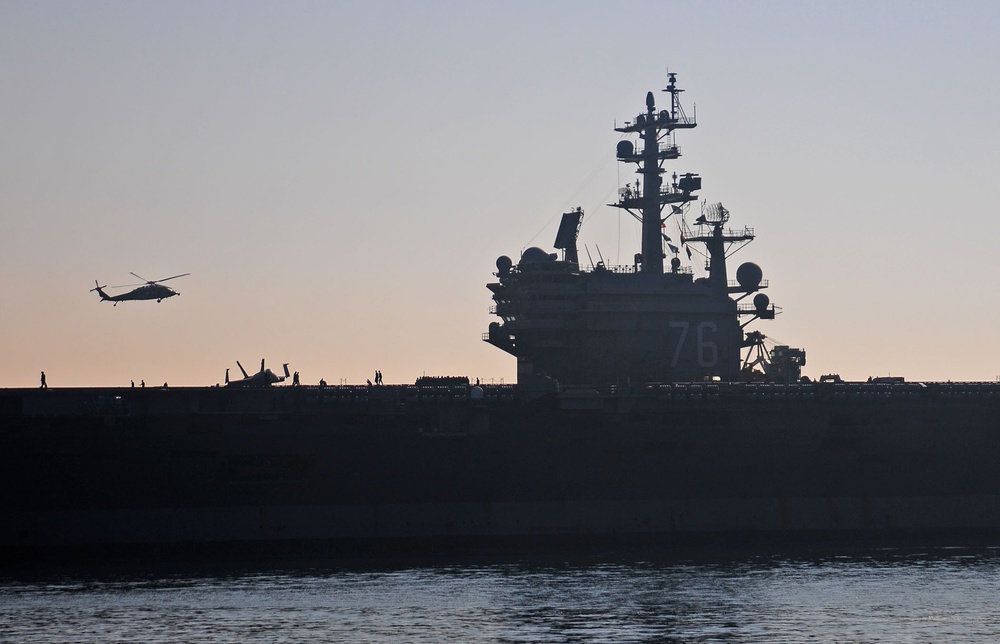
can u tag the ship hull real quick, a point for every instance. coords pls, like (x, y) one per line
(189, 466)
(742, 518)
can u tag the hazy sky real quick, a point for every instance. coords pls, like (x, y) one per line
(339, 177)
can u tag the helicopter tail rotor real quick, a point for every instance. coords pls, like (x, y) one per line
(100, 290)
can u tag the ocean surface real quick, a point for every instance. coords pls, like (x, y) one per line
(874, 594)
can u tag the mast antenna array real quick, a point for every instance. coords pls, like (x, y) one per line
(651, 194)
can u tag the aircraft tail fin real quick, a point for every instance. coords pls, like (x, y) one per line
(100, 291)
(242, 369)
(285, 365)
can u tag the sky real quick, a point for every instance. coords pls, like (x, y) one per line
(340, 177)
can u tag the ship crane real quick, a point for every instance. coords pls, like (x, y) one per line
(779, 364)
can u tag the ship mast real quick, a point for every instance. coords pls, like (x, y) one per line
(647, 200)
(717, 239)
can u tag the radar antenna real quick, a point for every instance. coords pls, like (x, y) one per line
(714, 213)
(718, 241)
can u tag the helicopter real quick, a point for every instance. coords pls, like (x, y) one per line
(151, 290)
(263, 378)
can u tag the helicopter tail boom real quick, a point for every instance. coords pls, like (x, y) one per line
(100, 291)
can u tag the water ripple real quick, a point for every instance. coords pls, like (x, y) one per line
(888, 597)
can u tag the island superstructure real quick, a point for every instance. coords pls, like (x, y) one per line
(628, 325)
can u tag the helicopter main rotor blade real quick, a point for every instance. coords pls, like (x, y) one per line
(169, 278)
(140, 277)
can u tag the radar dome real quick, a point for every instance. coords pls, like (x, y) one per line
(625, 149)
(503, 264)
(760, 303)
(749, 276)
(535, 255)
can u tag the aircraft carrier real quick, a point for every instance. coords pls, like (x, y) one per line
(644, 406)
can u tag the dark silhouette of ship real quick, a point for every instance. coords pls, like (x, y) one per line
(644, 407)
(637, 324)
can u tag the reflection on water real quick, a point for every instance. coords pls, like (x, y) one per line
(882, 595)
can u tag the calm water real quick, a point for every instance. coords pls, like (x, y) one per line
(877, 595)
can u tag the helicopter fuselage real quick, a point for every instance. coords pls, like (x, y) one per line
(147, 292)
(151, 290)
